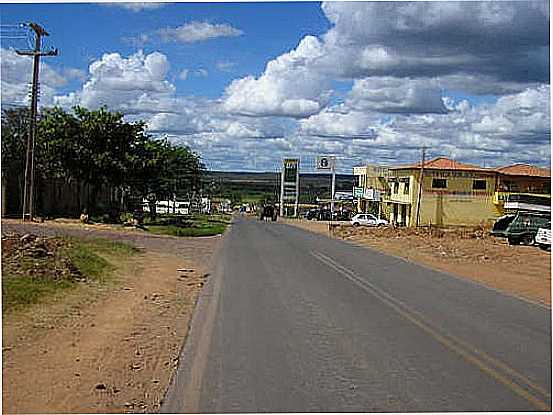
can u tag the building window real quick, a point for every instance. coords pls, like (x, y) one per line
(406, 187)
(439, 183)
(396, 187)
(478, 185)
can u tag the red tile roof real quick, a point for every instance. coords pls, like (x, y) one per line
(443, 163)
(524, 170)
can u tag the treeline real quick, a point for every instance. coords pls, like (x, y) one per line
(99, 150)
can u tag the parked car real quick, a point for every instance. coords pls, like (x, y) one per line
(311, 214)
(325, 214)
(543, 237)
(524, 227)
(501, 225)
(343, 215)
(367, 219)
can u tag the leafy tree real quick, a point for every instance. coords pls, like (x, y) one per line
(15, 127)
(160, 170)
(98, 147)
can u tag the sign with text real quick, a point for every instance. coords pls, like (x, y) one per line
(326, 162)
(371, 194)
(289, 186)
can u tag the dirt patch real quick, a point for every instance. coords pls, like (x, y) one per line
(38, 257)
(468, 252)
(108, 349)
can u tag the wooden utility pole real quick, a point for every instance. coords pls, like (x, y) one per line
(28, 191)
(419, 197)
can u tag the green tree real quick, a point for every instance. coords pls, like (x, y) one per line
(15, 127)
(98, 147)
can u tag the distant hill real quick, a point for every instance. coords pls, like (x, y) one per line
(248, 186)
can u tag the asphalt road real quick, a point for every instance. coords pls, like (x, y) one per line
(292, 321)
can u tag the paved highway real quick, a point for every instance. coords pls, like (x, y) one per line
(292, 321)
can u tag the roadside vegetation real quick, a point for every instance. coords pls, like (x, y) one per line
(89, 153)
(193, 225)
(36, 269)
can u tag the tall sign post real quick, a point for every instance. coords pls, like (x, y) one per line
(290, 184)
(328, 163)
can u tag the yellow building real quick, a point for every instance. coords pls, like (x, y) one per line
(521, 186)
(452, 193)
(371, 187)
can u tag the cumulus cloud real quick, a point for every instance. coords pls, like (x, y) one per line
(137, 85)
(198, 31)
(396, 95)
(287, 87)
(414, 49)
(136, 6)
(183, 74)
(506, 40)
(516, 127)
(408, 64)
(122, 83)
(17, 72)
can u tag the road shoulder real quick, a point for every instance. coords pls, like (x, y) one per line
(520, 271)
(112, 350)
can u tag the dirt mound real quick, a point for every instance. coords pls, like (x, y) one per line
(38, 257)
(473, 232)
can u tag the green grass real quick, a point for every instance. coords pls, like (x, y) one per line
(23, 291)
(110, 247)
(20, 290)
(194, 225)
(93, 266)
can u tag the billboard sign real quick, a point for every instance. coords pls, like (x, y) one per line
(371, 194)
(289, 186)
(326, 162)
(291, 170)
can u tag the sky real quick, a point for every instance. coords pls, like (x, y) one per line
(246, 84)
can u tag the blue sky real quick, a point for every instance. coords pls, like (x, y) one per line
(84, 32)
(245, 84)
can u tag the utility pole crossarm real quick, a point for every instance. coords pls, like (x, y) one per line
(33, 53)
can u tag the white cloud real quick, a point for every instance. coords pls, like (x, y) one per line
(202, 73)
(407, 62)
(225, 66)
(122, 83)
(420, 47)
(515, 128)
(137, 41)
(396, 95)
(137, 6)
(17, 72)
(197, 32)
(287, 87)
(183, 74)
(428, 39)
(74, 73)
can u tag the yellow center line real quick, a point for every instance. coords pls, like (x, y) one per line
(449, 342)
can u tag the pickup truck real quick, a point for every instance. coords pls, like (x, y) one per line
(543, 237)
(524, 227)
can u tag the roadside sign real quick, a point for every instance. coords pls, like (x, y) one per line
(289, 183)
(325, 162)
(371, 194)
(358, 192)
